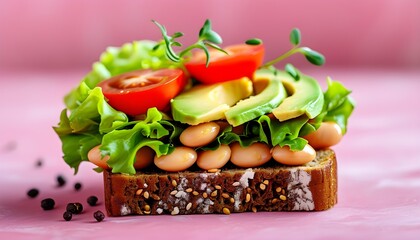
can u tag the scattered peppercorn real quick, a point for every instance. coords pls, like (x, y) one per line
(92, 200)
(99, 216)
(67, 215)
(71, 208)
(47, 203)
(77, 186)
(74, 208)
(38, 163)
(33, 192)
(79, 207)
(61, 180)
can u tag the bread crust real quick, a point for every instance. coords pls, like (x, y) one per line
(311, 187)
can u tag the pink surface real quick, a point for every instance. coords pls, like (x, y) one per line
(43, 42)
(52, 34)
(379, 171)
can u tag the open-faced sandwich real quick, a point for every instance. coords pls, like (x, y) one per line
(214, 130)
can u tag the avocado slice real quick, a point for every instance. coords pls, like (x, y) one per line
(205, 103)
(264, 102)
(306, 97)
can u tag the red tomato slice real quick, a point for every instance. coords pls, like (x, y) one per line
(242, 61)
(135, 92)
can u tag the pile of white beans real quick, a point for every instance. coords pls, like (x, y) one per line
(255, 155)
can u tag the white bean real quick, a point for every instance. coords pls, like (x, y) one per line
(288, 157)
(212, 159)
(179, 160)
(327, 135)
(95, 157)
(199, 135)
(252, 156)
(144, 157)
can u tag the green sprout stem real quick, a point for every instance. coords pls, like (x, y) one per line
(189, 48)
(281, 57)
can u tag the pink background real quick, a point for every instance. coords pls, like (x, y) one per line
(56, 35)
(372, 46)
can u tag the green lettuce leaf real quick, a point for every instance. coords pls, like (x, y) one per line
(338, 104)
(95, 113)
(281, 131)
(76, 146)
(63, 127)
(122, 144)
(312, 124)
(227, 137)
(84, 128)
(135, 55)
(79, 94)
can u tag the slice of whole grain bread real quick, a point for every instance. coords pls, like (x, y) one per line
(311, 187)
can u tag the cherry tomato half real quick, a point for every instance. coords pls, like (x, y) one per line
(135, 92)
(242, 61)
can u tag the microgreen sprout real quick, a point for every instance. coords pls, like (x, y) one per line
(295, 37)
(312, 56)
(253, 41)
(206, 38)
(292, 71)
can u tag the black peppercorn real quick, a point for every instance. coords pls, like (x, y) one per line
(38, 163)
(71, 208)
(99, 216)
(77, 186)
(61, 181)
(74, 208)
(92, 200)
(67, 215)
(33, 192)
(47, 203)
(79, 207)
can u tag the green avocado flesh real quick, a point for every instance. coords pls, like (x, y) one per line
(306, 97)
(205, 103)
(260, 104)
